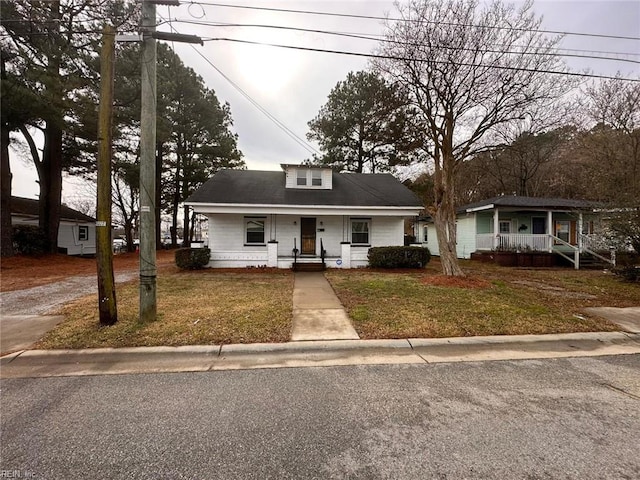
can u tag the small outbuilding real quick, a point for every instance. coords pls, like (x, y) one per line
(77, 232)
(302, 214)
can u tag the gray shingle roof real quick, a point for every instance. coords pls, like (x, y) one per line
(30, 207)
(268, 188)
(531, 202)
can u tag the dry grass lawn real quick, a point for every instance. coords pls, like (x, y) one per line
(194, 308)
(492, 300)
(247, 306)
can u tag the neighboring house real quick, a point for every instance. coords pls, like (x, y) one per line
(523, 224)
(77, 232)
(301, 214)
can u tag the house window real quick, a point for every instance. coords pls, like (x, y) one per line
(316, 178)
(425, 234)
(83, 233)
(563, 228)
(505, 226)
(302, 177)
(360, 231)
(254, 230)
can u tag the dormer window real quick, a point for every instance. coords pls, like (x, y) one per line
(302, 177)
(316, 178)
(312, 177)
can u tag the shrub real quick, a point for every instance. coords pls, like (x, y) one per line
(398, 257)
(630, 273)
(29, 240)
(192, 258)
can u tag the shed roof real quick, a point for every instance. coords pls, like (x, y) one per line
(268, 188)
(30, 207)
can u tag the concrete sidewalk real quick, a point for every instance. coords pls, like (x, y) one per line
(317, 311)
(102, 361)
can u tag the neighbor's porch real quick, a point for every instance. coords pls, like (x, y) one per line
(568, 234)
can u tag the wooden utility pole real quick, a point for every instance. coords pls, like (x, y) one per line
(148, 271)
(104, 252)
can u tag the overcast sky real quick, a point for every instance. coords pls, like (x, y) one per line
(292, 85)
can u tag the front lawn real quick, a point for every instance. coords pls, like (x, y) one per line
(194, 308)
(217, 306)
(492, 300)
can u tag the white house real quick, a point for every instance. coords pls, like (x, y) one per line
(77, 232)
(301, 214)
(566, 227)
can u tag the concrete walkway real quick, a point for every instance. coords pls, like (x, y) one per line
(317, 312)
(628, 318)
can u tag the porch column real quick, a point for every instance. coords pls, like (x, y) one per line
(272, 254)
(496, 229)
(550, 230)
(579, 232)
(346, 254)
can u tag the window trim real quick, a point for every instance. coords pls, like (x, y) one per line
(425, 234)
(301, 178)
(503, 222)
(316, 175)
(248, 219)
(366, 220)
(83, 233)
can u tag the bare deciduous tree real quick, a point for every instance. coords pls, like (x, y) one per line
(472, 71)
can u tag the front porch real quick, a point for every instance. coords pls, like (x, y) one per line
(587, 246)
(567, 234)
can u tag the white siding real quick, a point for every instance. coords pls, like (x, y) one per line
(387, 231)
(227, 238)
(466, 236)
(68, 237)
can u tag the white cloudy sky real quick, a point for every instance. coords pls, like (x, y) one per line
(292, 85)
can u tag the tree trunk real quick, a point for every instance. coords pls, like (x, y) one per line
(444, 216)
(51, 180)
(51, 185)
(186, 240)
(6, 241)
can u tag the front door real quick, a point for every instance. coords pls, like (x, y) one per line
(538, 225)
(308, 235)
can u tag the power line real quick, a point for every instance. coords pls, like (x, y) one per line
(369, 17)
(263, 110)
(390, 57)
(371, 38)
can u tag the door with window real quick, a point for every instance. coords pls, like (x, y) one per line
(308, 236)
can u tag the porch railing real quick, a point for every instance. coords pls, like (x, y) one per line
(513, 241)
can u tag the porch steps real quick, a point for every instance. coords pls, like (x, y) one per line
(588, 261)
(309, 267)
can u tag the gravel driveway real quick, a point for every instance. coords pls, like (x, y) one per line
(45, 298)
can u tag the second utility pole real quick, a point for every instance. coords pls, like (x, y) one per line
(148, 270)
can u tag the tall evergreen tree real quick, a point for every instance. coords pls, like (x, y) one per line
(364, 126)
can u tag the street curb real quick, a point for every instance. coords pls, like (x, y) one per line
(202, 358)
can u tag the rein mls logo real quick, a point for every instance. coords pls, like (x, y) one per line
(16, 474)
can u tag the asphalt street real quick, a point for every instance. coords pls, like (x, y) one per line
(536, 419)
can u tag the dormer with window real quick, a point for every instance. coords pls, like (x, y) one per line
(308, 177)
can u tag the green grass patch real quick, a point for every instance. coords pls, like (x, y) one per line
(490, 301)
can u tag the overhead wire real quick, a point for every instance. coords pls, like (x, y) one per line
(407, 20)
(383, 40)
(392, 57)
(255, 103)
